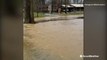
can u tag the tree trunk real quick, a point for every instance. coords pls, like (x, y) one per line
(29, 15)
(52, 4)
(65, 6)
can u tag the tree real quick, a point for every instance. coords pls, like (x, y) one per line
(29, 14)
(66, 6)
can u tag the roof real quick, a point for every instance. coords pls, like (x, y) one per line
(77, 5)
(67, 6)
(74, 5)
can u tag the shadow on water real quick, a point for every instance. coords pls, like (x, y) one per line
(80, 17)
(36, 53)
(41, 55)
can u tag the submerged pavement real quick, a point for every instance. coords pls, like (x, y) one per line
(54, 40)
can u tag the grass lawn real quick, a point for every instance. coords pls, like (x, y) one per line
(39, 15)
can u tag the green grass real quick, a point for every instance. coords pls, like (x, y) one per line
(39, 15)
(72, 13)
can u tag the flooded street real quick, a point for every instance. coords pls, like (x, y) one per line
(54, 40)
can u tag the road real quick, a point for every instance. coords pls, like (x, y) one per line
(54, 40)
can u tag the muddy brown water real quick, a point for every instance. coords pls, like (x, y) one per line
(54, 40)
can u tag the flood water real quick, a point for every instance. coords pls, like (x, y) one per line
(54, 40)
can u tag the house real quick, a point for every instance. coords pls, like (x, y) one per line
(43, 6)
(78, 7)
(73, 7)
